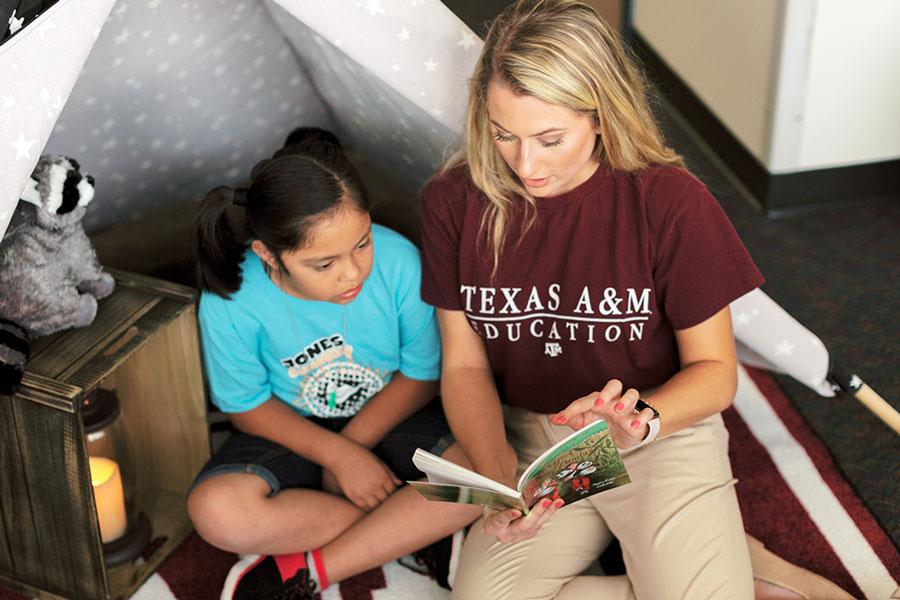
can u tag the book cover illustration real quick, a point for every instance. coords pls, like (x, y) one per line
(581, 465)
(585, 463)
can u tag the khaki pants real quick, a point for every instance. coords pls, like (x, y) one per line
(678, 523)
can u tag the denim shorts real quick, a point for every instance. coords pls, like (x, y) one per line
(282, 469)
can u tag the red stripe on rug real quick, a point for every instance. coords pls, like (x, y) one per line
(771, 511)
(821, 458)
(196, 570)
(360, 587)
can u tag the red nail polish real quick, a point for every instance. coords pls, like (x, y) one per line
(619, 406)
(598, 402)
(634, 424)
(545, 502)
(560, 502)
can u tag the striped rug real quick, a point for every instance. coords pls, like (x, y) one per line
(791, 494)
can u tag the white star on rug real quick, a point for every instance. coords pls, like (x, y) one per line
(23, 147)
(403, 35)
(431, 65)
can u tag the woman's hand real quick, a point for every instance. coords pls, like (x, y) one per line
(626, 426)
(360, 476)
(510, 526)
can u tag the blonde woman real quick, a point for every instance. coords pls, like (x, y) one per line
(577, 267)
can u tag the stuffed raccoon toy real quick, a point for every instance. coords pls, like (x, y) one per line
(49, 274)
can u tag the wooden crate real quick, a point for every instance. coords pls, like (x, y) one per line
(144, 345)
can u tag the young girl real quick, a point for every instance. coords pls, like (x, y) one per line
(574, 262)
(317, 344)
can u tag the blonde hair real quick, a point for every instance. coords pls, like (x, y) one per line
(561, 52)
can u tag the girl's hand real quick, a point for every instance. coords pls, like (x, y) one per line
(330, 483)
(361, 476)
(510, 526)
(626, 426)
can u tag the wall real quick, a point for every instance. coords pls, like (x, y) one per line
(852, 109)
(802, 84)
(725, 51)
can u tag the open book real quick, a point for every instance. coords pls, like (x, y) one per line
(585, 463)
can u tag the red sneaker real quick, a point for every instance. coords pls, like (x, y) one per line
(256, 577)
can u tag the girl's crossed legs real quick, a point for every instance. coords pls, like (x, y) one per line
(256, 497)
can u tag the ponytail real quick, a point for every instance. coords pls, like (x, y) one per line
(220, 242)
(308, 179)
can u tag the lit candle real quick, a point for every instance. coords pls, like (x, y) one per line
(109, 497)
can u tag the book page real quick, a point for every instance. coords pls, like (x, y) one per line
(585, 463)
(468, 495)
(440, 470)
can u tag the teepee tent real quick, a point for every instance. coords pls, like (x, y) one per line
(161, 101)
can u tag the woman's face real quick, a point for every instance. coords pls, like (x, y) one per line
(334, 263)
(548, 146)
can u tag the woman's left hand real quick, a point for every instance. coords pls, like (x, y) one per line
(626, 426)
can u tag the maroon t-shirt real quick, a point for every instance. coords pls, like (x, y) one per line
(595, 288)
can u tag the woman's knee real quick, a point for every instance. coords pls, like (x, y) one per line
(222, 508)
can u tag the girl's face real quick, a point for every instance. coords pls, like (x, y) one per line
(550, 148)
(334, 263)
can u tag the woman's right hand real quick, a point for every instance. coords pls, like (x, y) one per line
(363, 478)
(510, 526)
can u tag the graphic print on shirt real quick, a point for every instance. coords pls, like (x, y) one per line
(330, 383)
(512, 313)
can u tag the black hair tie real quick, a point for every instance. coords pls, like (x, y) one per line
(239, 197)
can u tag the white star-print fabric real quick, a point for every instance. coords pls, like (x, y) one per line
(38, 69)
(394, 75)
(769, 338)
(179, 96)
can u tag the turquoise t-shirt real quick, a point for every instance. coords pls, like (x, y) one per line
(322, 359)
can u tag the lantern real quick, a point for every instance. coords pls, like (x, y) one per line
(124, 531)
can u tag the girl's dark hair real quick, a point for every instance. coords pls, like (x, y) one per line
(306, 180)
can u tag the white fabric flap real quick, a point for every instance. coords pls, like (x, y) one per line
(38, 69)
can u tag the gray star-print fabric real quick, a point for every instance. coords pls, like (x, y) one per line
(177, 97)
